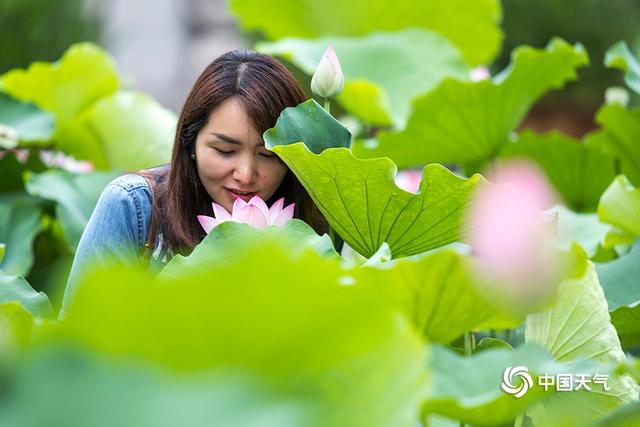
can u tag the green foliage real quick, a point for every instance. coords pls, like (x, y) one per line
(19, 224)
(93, 119)
(361, 201)
(620, 207)
(75, 197)
(470, 122)
(472, 27)
(31, 124)
(619, 56)
(579, 173)
(440, 296)
(619, 135)
(314, 339)
(383, 71)
(578, 326)
(619, 280)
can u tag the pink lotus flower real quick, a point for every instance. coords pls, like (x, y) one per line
(254, 212)
(509, 238)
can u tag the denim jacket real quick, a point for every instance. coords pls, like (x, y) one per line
(118, 230)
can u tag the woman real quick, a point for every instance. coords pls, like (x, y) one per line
(218, 156)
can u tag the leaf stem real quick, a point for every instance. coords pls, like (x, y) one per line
(469, 343)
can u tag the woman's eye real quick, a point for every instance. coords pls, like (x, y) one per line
(223, 152)
(267, 155)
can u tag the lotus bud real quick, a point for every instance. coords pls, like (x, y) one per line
(328, 80)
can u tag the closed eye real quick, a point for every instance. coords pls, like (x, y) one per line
(223, 152)
(268, 155)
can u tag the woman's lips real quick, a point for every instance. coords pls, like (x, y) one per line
(246, 196)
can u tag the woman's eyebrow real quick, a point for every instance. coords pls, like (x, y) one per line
(231, 140)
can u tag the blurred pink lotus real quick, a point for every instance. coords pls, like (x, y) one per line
(254, 212)
(506, 230)
(409, 180)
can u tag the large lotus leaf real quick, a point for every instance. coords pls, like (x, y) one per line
(472, 26)
(619, 280)
(469, 388)
(392, 65)
(20, 223)
(619, 135)
(12, 170)
(620, 57)
(229, 240)
(362, 203)
(65, 387)
(15, 288)
(359, 198)
(16, 324)
(465, 122)
(311, 123)
(578, 326)
(75, 197)
(620, 207)
(438, 294)
(30, 123)
(125, 131)
(585, 229)
(84, 74)
(289, 321)
(579, 173)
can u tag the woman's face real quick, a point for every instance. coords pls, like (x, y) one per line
(231, 159)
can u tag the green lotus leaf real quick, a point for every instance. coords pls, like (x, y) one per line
(393, 65)
(466, 122)
(585, 229)
(126, 131)
(626, 416)
(620, 57)
(311, 123)
(84, 74)
(619, 136)
(16, 325)
(228, 241)
(15, 288)
(20, 223)
(619, 280)
(364, 206)
(472, 26)
(31, 124)
(312, 339)
(438, 294)
(577, 327)
(620, 207)
(75, 197)
(469, 388)
(67, 386)
(579, 173)
(359, 198)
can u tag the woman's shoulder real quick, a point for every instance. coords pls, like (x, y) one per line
(137, 184)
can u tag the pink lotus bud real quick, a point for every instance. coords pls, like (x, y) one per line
(328, 80)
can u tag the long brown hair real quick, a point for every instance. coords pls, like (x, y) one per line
(264, 88)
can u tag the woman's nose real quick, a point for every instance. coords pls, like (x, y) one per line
(245, 171)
